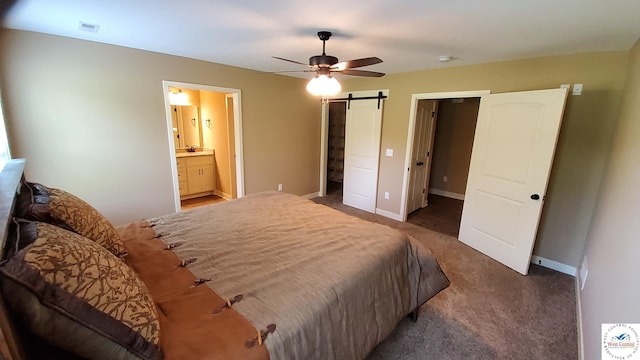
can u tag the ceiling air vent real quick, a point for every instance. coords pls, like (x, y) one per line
(88, 27)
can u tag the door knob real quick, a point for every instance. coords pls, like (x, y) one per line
(535, 197)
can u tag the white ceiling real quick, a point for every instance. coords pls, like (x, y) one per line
(407, 34)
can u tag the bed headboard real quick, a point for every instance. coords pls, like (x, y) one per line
(10, 177)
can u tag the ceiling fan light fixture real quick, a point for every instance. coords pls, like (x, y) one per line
(324, 85)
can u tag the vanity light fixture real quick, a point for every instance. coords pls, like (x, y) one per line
(178, 98)
(324, 85)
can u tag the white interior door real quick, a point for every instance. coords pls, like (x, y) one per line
(512, 154)
(362, 154)
(421, 154)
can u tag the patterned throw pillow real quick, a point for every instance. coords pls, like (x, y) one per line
(78, 296)
(58, 207)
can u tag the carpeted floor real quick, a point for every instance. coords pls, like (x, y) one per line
(488, 312)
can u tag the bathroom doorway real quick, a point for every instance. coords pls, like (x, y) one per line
(212, 168)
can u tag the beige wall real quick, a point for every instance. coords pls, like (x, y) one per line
(582, 147)
(193, 96)
(90, 118)
(76, 110)
(612, 288)
(455, 127)
(207, 110)
(214, 108)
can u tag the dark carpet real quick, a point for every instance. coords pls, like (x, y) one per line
(488, 312)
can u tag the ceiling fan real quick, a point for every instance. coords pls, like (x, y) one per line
(323, 65)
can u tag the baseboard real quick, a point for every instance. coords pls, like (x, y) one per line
(312, 195)
(222, 195)
(579, 321)
(554, 265)
(193, 196)
(447, 194)
(389, 214)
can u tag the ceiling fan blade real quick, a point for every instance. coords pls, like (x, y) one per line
(287, 71)
(362, 73)
(356, 63)
(291, 61)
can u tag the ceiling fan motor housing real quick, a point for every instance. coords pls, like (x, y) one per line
(323, 60)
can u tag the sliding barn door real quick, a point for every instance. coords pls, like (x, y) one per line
(362, 154)
(511, 160)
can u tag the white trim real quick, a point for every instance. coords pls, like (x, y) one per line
(311, 196)
(389, 214)
(232, 155)
(238, 133)
(222, 195)
(554, 265)
(579, 320)
(448, 194)
(412, 128)
(324, 152)
(324, 132)
(237, 130)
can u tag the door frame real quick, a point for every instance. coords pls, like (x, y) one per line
(236, 94)
(232, 155)
(324, 132)
(404, 199)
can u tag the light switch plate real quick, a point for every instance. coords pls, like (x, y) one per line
(389, 152)
(577, 89)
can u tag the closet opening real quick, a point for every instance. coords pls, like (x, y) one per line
(335, 147)
(442, 143)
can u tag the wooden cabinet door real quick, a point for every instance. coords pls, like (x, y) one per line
(182, 181)
(200, 178)
(194, 179)
(207, 178)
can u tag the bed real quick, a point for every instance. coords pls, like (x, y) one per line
(270, 275)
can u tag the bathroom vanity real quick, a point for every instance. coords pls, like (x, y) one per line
(196, 174)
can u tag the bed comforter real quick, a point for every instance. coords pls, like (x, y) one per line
(334, 285)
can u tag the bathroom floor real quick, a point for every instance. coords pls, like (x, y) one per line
(201, 201)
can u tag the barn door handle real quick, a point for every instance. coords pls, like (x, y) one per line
(535, 197)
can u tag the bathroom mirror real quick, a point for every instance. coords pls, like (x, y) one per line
(186, 127)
